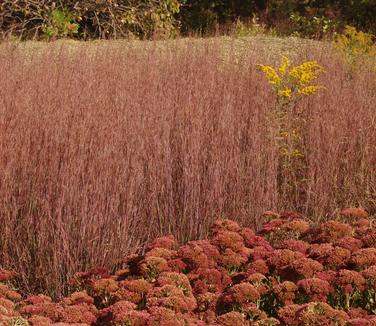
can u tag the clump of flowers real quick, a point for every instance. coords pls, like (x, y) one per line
(285, 292)
(228, 240)
(333, 230)
(179, 280)
(327, 275)
(368, 236)
(151, 266)
(6, 275)
(260, 253)
(348, 280)
(166, 242)
(329, 255)
(232, 318)
(164, 316)
(321, 313)
(289, 82)
(81, 280)
(212, 280)
(283, 258)
(53, 311)
(76, 298)
(206, 306)
(288, 314)
(350, 243)
(295, 245)
(81, 313)
(123, 313)
(232, 260)
(302, 268)
(162, 253)
(201, 253)
(354, 213)
(240, 295)
(225, 225)
(364, 258)
(357, 47)
(314, 289)
(350, 286)
(8, 293)
(257, 266)
(234, 278)
(104, 290)
(171, 297)
(133, 290)
(7, 309)
(297, 226)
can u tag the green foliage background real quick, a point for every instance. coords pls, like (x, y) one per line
(146, 18)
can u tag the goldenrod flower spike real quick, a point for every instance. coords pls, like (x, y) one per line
(306, 72)
(289, 83)
(285, 93)
(271, 75)
(309, 90)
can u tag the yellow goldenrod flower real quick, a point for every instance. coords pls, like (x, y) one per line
(306, 72)
(286, 93)
(297, 153)
(295, 134)
(271, 75)
(309, 90)
(284, 151)
(292, 82)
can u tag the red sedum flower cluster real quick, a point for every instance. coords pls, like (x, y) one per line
(290, 273)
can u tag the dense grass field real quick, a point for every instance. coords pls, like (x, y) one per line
(107, 145)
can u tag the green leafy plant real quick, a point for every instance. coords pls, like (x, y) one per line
(89, 19)
(61, 24)
(18, 321)
(312, 27)
(243, 30)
